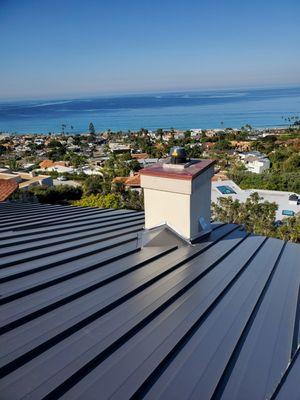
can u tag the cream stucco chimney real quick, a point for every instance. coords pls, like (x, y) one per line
(179, 196)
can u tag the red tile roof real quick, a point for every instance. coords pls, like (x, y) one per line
(219, 177)
(7, 187)
(119, 179)
(49, 163)
(134, 180)
(46, 164)
(140, 156)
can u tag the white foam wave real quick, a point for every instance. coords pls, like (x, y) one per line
(52, 103)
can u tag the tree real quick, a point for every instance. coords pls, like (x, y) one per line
(13, 164)
(57, 153)
(194, 152)
(255, 215)
(54, 143)
(2, 149)
(290, 229)
(92, 129)
(285, 181)
(60, 194)
(130, 200)
(187, 135)
(63, 126)
(94, 184)
(77, 160)
(112, 200)
(292, 163)
(160, 133)
(222, 145)
(134, 200)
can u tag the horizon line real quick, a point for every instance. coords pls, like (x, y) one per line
(145, 92)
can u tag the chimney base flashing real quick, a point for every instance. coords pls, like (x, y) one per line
(149, 233)
(162, 235)
(200, 236)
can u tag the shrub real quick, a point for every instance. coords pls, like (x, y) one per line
(257, 217)
(285, 181)
(56, 194)
(112, 200)
(131, 200)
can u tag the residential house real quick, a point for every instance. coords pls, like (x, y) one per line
(255, 162)
(26, 180)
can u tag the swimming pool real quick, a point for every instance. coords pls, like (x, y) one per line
(225, 190)
(289, 213)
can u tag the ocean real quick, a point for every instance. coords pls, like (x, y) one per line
(180, 110)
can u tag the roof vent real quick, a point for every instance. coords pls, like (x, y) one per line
(178, 155)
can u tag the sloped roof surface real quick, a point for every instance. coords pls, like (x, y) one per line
(134, 180)
(7, 187)
(49, 163)
(88, 314)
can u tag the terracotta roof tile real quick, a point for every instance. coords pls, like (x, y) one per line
(128, 180)
(46, 164)
(7, 187)
(219, 177)
(133, 180)
(140, 156)
(119, 179)
(49, 163)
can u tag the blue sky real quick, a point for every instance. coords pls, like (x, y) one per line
(60, 48)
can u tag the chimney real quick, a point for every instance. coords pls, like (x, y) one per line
(177, 193)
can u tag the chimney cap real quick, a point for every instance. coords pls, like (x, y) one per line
(193, 169)
(178, 155)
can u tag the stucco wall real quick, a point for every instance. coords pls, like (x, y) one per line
(177, 202)
(166, 207)
(200, 204)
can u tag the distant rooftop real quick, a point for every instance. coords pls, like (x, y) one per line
(7, 188)
(92, 307)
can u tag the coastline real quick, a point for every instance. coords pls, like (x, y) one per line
(257, 129)
(261, 108)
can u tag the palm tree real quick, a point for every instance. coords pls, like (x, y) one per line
(13, 164)
(160, 133)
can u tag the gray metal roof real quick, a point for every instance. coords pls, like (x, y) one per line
(88, 314)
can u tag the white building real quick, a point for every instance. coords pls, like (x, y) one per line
(257, 165)
(255, 162)
(60, 169)
(118, 147)
(91, 171)
(196, 132)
